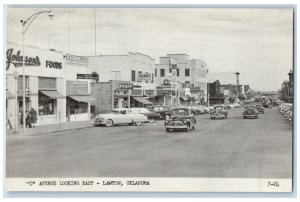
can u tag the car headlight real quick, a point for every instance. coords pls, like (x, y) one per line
(184, 121)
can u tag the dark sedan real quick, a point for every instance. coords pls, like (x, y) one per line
(250, 111)
(164, 111)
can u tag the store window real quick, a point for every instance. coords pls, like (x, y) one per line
(79, 108)
(155, 72)
(46, 105)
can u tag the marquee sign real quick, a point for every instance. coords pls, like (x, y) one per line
(17, 59)
(143, 76)
(125, 86)
(88, 76)
(77, 58)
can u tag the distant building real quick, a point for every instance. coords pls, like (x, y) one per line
(186, 78)
(287, 89)
(216, 93)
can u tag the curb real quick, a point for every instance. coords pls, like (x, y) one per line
(52, 132)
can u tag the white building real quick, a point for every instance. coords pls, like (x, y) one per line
(188, 78)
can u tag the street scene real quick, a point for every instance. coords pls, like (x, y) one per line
(110, 92)
(232, 147)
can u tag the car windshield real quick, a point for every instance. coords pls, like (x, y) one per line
(250, 107)
(180, 112)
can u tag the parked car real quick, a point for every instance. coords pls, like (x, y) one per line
(227, 107)
(181, 118)
(164, 111)
(120, 116)
(149, 114)
(219, 112)
(250, 111)
(260, 109)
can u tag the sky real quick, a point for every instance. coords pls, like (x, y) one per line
(258, 43)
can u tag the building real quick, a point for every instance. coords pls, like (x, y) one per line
(183, 80)
(216, 93)
(287, 88)
(52, 85)
(44, 84)
(124, 81)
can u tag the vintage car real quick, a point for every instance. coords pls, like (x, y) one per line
(181, 118)
(120, 116)
(219, 112)
(260, 109)
(164, 111)
(250, 111)
(150, 115)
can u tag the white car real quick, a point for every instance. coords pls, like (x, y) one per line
(120, 116)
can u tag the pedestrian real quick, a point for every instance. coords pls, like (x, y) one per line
(28, 120)
(33, 116)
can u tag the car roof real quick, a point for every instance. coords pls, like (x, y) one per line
(185, 108)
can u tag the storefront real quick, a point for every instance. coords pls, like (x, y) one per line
(44, 84)
(78, 101)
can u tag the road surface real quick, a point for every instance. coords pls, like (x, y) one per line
(231, 148)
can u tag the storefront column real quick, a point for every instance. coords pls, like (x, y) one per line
(89, 110)
(128, 100)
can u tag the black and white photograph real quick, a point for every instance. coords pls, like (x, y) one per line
(149, 99)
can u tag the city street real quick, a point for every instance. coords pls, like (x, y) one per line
(230, 148)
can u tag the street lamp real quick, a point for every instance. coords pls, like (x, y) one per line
(16, 77)
(25, 26)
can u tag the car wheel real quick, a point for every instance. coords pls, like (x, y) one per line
(244, 117)
(167, 129)
(138, 123)
(211, 118)
(109, 123)
(151, 120)
(167, 116)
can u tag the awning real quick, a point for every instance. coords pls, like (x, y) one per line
(83, 98)
(9, 95)
(142, 100)
(184, 98)
(52, 94)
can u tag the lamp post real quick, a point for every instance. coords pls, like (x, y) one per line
(25, 25)
(16, 77)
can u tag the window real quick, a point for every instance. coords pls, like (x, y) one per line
(115, 75)
(79, 108)
(170, 70)
(177, 72)
(155, 72)
(132, 75)
(46, 105)
(162, 72)
(187, 72)
(152, 78)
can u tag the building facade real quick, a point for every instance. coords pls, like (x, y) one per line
(124, 81)
(52, 86)
(187, 79)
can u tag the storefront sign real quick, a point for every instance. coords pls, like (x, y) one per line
(146, 76)
(125, 86)
(77, 58)
(54, 65)
(195, 90)
(17, 59)
(163, 92)
(88, 76)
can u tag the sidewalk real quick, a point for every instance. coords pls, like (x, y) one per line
(53, 128)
